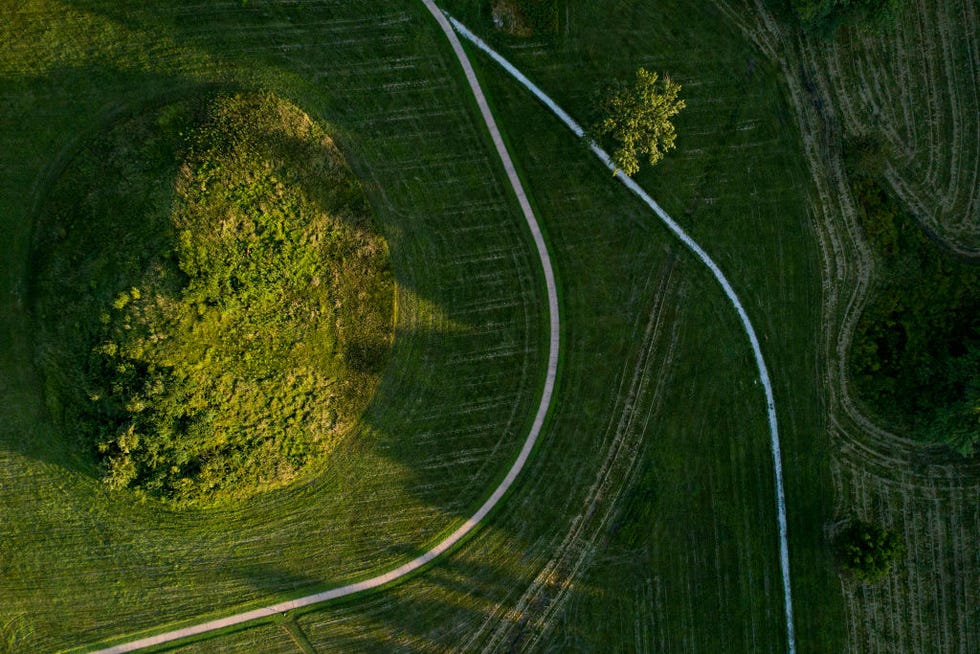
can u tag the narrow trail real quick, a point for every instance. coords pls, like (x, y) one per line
(719, 276)
(543, 406)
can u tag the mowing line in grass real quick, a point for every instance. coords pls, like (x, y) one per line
(719, 276)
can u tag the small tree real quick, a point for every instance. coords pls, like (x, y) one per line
(636, 117)
(868, 550)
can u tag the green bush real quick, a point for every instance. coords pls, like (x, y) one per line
(868, 551)
(221, 333)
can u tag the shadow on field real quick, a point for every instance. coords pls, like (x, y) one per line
(80, 103)
(270, 578)
(452, 607)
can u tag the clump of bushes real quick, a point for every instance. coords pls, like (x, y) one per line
(915, 357)
(868, 551)
(225, 342)
(526, 17)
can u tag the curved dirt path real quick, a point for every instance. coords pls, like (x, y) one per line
(522, 457)
(722, 280)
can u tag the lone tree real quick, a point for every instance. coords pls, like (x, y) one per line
(868, 550)
(636, 116)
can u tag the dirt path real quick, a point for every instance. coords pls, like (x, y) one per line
(726, 287)
(498, 493)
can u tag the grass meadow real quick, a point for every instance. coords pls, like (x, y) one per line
(645, 520)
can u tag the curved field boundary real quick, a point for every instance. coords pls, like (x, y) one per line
(508, 481)
(719, 276)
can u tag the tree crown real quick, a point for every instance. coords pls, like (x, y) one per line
(636, 117)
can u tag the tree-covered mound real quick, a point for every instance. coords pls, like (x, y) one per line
(915, 359)
(213, 304)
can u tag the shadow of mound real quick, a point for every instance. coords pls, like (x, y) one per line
(41, 152)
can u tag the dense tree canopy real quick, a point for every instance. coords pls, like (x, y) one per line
(915, 356)
(636, 118)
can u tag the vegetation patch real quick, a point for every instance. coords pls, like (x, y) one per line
(916, 352)
(867, 550)
(213, 306)
(526, 17)
(825, 16)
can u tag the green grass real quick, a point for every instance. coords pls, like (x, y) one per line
(657, 445)
(737, 183)
(267, 638)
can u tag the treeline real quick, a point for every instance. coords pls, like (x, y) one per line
(916, 352)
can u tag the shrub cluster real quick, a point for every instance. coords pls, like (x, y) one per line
(868, 551)
(527, 17)
(221, 342)
(916, 352)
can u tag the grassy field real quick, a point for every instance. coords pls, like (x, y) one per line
(735, 183)
(81, 564)
(917, 86)
(928, 494)
(646, 521)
